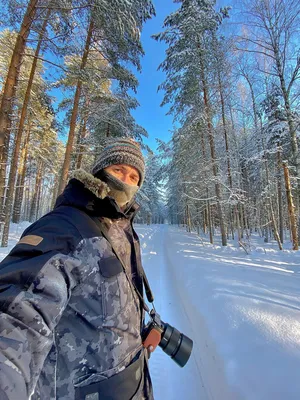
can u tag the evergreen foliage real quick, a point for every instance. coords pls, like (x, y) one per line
(86, 52)
(235, 123)
(233, 94)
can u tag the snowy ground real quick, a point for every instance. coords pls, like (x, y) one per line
(242, 311)
(15, 232)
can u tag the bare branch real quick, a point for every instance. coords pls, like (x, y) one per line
(256, 51)
(47, 61)
(258, 43)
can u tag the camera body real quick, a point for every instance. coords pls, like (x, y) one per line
(152, 332)
(175, 344)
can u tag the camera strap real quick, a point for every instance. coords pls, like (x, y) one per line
(149, 294)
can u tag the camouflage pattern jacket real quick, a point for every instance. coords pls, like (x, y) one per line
(68, 315)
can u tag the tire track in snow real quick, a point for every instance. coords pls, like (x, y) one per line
(169, 380)
(208, 363)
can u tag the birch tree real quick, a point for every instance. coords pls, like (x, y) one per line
(274, 26)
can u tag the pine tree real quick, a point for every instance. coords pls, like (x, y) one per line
(190, 33)
(151, 196)
(10, 85)
(117, 37)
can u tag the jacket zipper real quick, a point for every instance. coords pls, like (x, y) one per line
(104, 311)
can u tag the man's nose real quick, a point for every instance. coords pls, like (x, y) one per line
(126, 179)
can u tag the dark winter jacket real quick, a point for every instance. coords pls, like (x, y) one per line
(68, 315)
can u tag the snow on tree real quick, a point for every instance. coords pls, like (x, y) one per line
(190, 33)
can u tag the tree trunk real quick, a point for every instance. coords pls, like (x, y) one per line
(27, 191)
(279, 191)
(3, 167)
(208, 211)
(69, 147)
(236, 208)
(242, 219)
(39, 199)
(10, 191)
(255, 113)
(188, 219)
(34, 202)
(272, 215)
(211, 237)
(291, 207)
(54, 190)
(285, 95)
(271, 210)
(21, 180)
(26, 204)
(80, 147)
(205, 221)
(276, 235)
(226, 148)
(237, 222)
(213, 156)
(13, 170)
(256, 124)
(16, 207)
(10, 86)
(31, 77)
(225, 131)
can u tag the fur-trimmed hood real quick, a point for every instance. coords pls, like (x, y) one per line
(99, 188)
(91, 194)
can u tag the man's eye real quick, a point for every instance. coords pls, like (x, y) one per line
(117, 169)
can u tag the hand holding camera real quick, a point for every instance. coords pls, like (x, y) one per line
(175, 344)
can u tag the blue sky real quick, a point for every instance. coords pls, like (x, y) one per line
(150, 115)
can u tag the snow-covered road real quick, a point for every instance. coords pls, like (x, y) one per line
(242, 311)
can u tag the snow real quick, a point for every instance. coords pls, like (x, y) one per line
(15, 232)
(241, 310)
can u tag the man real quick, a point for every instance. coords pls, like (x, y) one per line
(71, 289)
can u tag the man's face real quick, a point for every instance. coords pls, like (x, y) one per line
(125, 173)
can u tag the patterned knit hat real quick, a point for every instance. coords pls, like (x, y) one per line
(121, 151)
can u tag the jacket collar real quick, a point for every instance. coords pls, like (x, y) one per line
(90, 182)
(91, 194)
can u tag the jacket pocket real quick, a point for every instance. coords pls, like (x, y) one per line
(97, 376)
(114, 287)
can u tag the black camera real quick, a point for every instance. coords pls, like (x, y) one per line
(175, 344)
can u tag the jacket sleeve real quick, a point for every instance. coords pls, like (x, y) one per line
(36, 280)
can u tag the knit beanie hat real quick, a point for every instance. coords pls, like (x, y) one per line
(121, 151)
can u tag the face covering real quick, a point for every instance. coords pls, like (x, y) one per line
(120, 191)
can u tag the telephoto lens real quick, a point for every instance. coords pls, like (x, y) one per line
(175, 344)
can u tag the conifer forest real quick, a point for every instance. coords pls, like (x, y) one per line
(69, 73)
